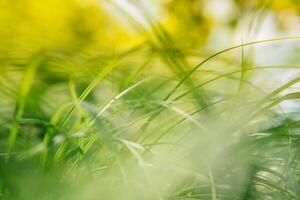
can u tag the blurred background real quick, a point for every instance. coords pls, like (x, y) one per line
(71, 32)
(149, 99)
(104, 26)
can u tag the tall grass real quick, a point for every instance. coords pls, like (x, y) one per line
(153, 121)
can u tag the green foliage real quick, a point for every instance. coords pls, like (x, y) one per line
(140, 114)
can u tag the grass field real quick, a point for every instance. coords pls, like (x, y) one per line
(138, 100)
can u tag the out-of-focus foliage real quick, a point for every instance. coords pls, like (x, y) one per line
(162, 99)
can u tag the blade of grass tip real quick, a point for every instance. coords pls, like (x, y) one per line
(25, 85)
(241, 83)
(271, 95)
(176, 124)
(118, 97)
(233, 72)
(186, 116)
(60, 152)
(62, 148)
(113, 100)
(290, 96)
(243, 70)
(122, 127)
(73, 93)
(193, 113)
(86, 92)
(162, 84)
(49, 135)
(136, 71)
(260, 105)
(50, 132)
(133, 148)
(221, 52)
(280, 89)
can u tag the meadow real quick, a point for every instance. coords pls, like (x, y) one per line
(149, 100)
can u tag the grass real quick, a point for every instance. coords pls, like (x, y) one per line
(152, 121)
